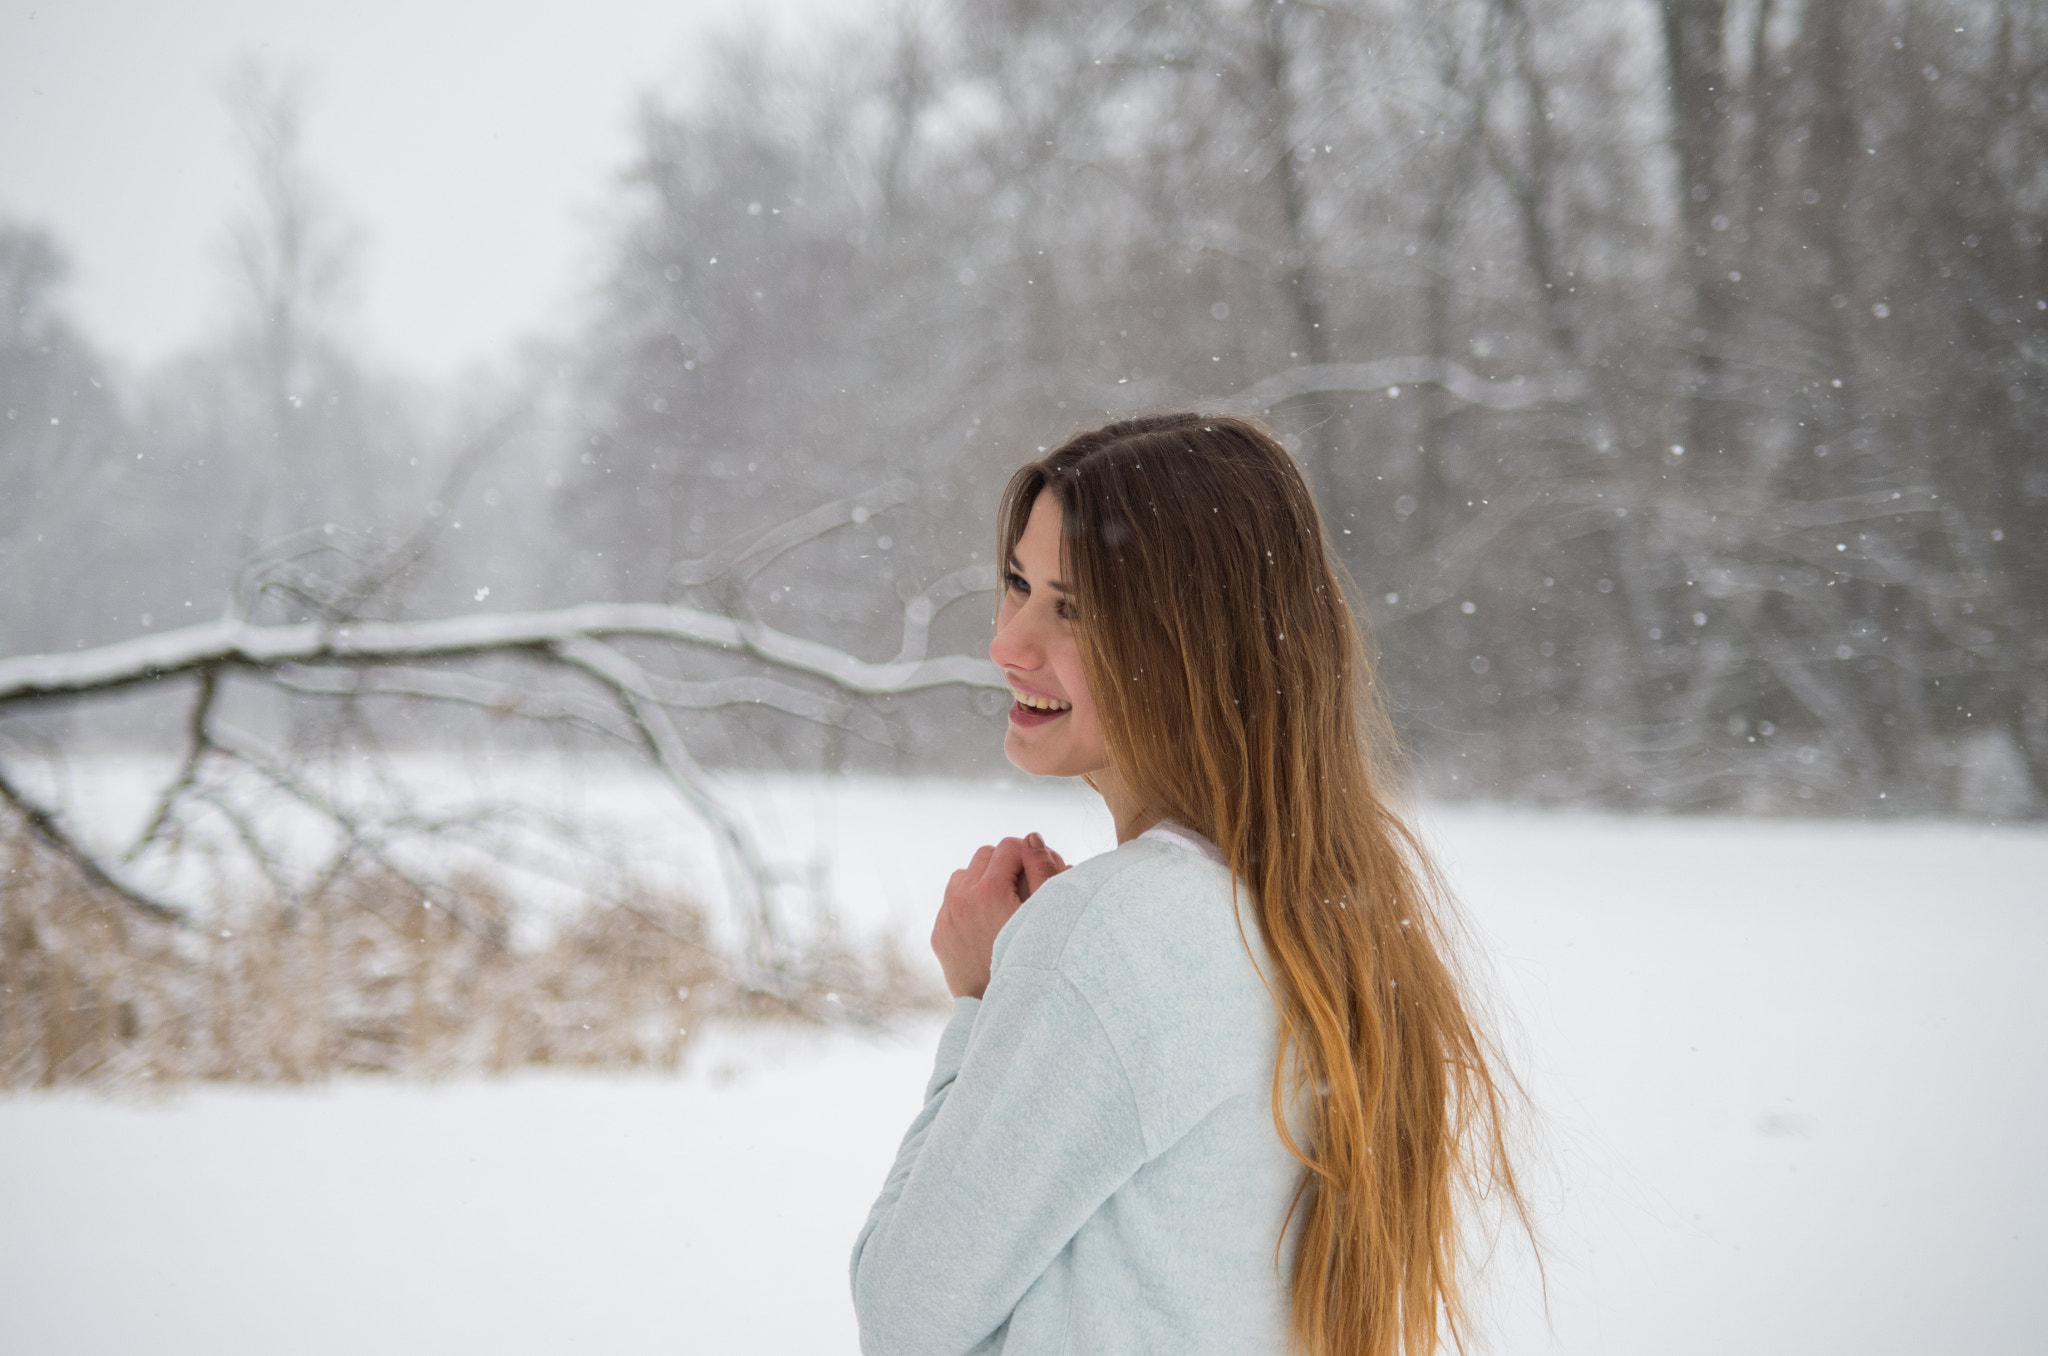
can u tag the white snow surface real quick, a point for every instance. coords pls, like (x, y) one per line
(1788, 1080)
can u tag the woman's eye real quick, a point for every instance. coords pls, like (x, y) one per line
(1015, 582)
(1063, 609)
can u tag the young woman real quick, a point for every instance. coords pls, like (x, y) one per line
(1217, 1090)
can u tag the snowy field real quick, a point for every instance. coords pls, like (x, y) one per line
(1790, 1075)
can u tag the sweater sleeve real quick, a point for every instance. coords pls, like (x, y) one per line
(1028, 1126)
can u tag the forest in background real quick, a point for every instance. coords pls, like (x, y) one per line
(1671, 375)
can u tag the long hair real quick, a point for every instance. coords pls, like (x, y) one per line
(1235, 697)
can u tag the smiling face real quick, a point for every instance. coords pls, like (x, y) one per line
(1053, 730)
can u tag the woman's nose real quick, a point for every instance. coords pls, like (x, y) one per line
(1013, 647)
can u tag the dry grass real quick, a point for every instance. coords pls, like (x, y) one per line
(367, 977)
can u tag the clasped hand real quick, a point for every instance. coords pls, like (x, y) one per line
(980, 899)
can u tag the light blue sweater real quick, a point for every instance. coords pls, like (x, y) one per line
(1095, 1168)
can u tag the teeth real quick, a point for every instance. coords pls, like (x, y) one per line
(1038, 703)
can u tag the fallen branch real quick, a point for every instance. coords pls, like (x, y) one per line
(339, 654)
(252, 645)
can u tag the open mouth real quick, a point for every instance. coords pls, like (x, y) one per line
(1030, 708)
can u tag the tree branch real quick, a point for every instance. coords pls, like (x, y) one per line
(43, 824)
(195, 751)
(360, 836)
(637, 698)
(744, 560)
(255, 646)
(445, 685)
(919, 611)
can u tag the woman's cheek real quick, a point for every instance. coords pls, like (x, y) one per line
(1087, 743)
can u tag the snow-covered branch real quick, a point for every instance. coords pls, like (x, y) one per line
(232, 643)
(533, 666)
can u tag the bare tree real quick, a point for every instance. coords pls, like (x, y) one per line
(60, 442)
(292, 260)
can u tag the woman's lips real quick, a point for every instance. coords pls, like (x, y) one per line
(1029, 717)
(1030, 707)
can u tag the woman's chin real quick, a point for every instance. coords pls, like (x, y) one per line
(1021, 755)
(1027, 755)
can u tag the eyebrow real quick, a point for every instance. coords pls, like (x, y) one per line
(1017, 568)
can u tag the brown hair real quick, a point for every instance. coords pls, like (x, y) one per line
(1235, 698)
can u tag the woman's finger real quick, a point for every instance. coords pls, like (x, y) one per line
(1041, 864)
(969, 876)
(1004, 867)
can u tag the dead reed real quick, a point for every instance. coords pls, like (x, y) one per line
(366, 975)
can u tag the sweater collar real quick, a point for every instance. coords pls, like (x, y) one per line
(1182, 837)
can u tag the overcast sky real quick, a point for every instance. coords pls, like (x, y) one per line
(473, 140)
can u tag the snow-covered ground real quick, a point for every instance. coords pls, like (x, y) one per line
(1790, 1077)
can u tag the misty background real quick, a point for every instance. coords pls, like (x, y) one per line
(1671, 376)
